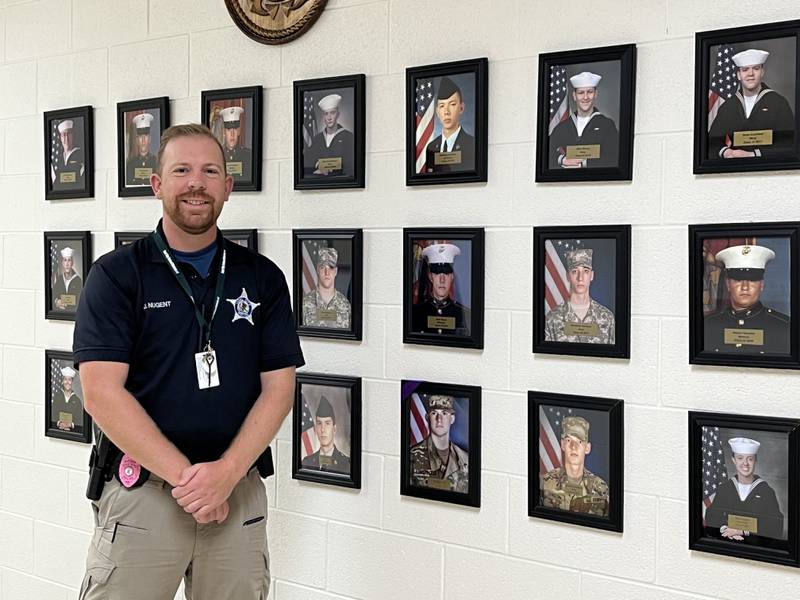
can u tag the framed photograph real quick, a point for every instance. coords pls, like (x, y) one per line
(575, 459)
(743, 494)
(69, 153)
(443, 276)
(140, 124)
(326, 440)
(743, 297)
(747, 89)
(440, 441)
(67, 258)
(244, 237)
(585, 114)
(64, 416)
(329, 133)
(123, 238)
(582, 290)
(234, 117)
(446, 122)
(327, 282)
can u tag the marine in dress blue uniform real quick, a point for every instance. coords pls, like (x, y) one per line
(438, 312)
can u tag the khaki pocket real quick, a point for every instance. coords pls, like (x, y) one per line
(98, 570)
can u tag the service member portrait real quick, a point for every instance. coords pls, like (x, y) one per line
(326, 286)
(186, 348)
(231, 121)
(328, 141)
(66, 410)
(67, 161)
(325, 437)
(65, 280)
(142, 140)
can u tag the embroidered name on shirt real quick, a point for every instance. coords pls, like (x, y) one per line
(162, 304)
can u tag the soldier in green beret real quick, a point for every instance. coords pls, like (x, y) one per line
(325, 306)
(572, 486)
(328, 457)
(436, 462)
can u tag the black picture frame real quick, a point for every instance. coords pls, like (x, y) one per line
(212, 102)
(549, 67)
(707, 96)
(244, 237)
(413, 397)
(133, 176)
(73, 176)
(303, 420)
(307, 144)
(306, 244)
(546, 434)
(705, 431)
(123, 238)
(700, 283)
(417, 331)
(547, 260)
(62, 307)
(76, 429)
(477, 69)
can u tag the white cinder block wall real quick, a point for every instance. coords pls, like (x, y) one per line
(330, 543)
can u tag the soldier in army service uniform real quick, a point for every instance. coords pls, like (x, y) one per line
(581, 318)
(68, 285)
(67, 408)
(436, 462)
(238, 158)
(572, 486)
(438, 312)
(142, 163)
(328, 457)
(325, 306)
(453, 149)
(746, 326)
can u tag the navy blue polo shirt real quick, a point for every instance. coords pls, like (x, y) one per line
(133, 311)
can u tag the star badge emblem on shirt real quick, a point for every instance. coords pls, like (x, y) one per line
(243, 308)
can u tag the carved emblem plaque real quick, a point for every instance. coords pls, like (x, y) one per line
(275, 21)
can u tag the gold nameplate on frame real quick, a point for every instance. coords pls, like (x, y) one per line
(447, 158)
(438, 483)
(441, 322)
(330, 164)
(590, 329)
(744, 337)
(584, 151)
(67, 177)
(65, 417)
(325, 461)
(757, 137)
(744, 523)
(142, 172)
(234, 168)
(68, 299)
(326, 314)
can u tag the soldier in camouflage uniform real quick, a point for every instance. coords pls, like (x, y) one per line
(436, 462)
(325, 306)
(572, 487)
(581, 318)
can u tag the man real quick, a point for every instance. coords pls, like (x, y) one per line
(238, 158)
(325, 306)
(332, 149)
(68, 285)
(588, 139)
(436, 462)
(757, 121)
(746, 326)
(572, 486)
(580, 319)
(453, 149)
(438, 312)
(67, 408)
(190, 396)
(328, 457)
(142, 162)
(745, 508)
(66, 171)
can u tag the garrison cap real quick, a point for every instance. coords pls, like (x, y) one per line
(575, 426)
(745, 262)
(325, 409)
(447, 88)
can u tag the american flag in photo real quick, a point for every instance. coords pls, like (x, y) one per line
(556, 284)
(550, 419)
(714, 471)
(308, 437)
(309, 120)
(55, 262)
(56, 379)
(559, 104)
(723, 81)
(418, 422)
(310, 250)
(424, 109)
(55, 148)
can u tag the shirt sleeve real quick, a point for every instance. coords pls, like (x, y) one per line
(280, 346)
(105, 319)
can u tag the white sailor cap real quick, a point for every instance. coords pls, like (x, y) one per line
(231, 116)
(142, 122)
(751, 57)
(743, 445)
(64, 125)
(68, 372)
(745, 262)
(329, 102)
(67, 252)
(585, 80)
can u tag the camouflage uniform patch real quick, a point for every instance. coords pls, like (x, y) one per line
(428, 470)
(557, 319)
(589, 495)
(314, 305)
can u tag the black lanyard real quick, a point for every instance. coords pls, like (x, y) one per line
(205, 326)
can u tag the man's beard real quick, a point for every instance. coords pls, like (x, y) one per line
(173, 210)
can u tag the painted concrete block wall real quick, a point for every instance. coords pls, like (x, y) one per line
(334, 544)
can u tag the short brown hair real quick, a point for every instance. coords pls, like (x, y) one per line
(186, 130)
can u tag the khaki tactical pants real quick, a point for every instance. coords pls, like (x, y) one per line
(144, 543)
